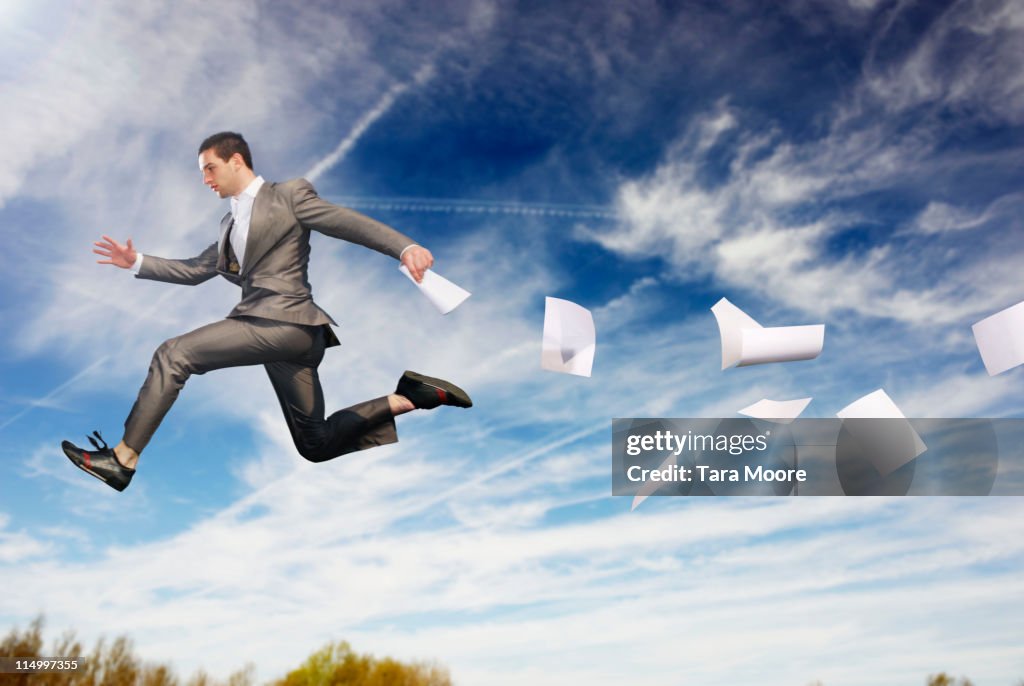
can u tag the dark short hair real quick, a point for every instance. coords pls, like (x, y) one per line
(226, 144)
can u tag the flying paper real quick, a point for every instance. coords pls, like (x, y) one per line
(569, 339)
(1000, 339)
(887, 445)
(647, 488)
(779, 411)
(442, 293)
(745, 342)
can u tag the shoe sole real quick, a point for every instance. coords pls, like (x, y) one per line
(74, 460)
(448, 387)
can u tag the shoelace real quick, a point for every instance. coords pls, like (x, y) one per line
(95, 444)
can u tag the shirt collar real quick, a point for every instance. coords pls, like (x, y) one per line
(253, 188)
(248, 194)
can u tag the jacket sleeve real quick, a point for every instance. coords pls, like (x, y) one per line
(189, 272)
(316, 214)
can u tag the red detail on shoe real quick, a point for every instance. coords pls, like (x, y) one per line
(442, 395)
(85, 456)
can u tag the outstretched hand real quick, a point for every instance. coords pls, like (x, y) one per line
(417, 260)
(122, 256)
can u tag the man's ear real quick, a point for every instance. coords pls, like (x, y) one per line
(237, 161)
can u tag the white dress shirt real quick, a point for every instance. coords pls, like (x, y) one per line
(241, 211)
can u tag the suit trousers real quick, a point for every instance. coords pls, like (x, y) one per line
(291, 354)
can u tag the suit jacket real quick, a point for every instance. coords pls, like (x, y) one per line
(273, 276)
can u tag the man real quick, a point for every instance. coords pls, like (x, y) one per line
(264, 248)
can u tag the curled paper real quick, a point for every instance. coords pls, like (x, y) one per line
(569, 339)
(745, 342)
(442, 293)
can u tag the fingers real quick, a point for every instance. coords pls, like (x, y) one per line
(417, 268)
(111, 244)
(427, 263)
(418, 260)
(115, 253)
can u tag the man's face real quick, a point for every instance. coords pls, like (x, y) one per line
(223, 177)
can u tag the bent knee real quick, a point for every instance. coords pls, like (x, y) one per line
(314, 452)
(169, 350)
(173, 356)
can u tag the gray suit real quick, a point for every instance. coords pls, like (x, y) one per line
(275, 324)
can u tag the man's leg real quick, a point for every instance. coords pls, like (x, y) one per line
(317, 439)
(228, 343)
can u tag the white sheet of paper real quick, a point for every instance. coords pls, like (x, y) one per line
(745, 342)
(779, 411)
(1000, 339)
(442, 293)
(569, 338)
(650, 486)
(878, 405)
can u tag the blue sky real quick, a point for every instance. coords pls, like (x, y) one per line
(854, 163)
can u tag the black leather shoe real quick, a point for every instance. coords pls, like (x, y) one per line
(426, 392)
(101, 463)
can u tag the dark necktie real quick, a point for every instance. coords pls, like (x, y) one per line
(229, 252)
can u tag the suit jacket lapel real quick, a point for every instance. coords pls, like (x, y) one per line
(225, 224)
(261, 227)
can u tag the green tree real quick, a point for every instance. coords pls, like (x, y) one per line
(943, 679)
(337, 665)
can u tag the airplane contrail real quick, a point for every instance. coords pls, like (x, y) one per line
(471, 206)
(424, 74)
(56, 391)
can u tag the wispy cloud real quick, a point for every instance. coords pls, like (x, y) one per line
(940, 217)
(784, 220)
(968, 59)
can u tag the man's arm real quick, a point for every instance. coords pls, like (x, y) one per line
(188, 272)
(316, 214)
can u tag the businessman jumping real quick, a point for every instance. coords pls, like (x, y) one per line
(264, 248)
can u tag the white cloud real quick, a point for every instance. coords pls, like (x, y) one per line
(969, 59)
(763, 229)
(609, 587)
(940, 217)
(18, 546)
